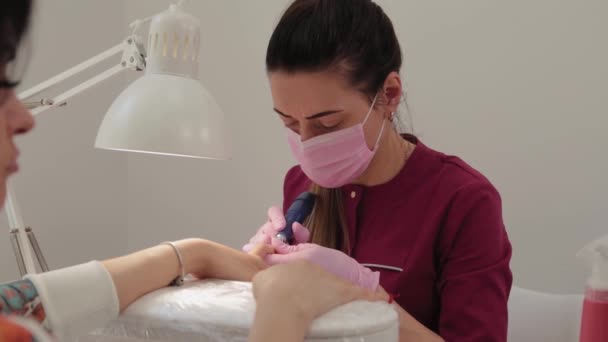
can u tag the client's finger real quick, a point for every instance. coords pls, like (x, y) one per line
(380, 296)
(261, 250)
(255, 241)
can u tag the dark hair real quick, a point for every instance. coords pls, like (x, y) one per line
(354, 38)
(14, 21)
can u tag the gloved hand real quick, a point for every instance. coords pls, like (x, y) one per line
(306, 288)
(331, 260)
(276, 223)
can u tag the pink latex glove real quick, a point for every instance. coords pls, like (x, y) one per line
(276, 223)
(331, 260)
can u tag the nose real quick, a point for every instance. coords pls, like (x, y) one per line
(306, 132)
(21, 120)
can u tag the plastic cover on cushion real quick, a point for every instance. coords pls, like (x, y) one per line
(219, 310)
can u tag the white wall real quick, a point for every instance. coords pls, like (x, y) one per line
(515, 88)
(72, 195)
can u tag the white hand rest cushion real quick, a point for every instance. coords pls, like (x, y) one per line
(219, 310)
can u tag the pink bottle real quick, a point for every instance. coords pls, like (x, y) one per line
(594, 322)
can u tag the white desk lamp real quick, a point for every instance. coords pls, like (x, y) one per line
(167, 111)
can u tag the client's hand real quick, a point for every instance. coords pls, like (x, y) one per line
(275, 223)
(290, 297)
(207, 259)
(332, 260)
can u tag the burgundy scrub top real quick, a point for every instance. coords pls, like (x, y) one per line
(436, 235)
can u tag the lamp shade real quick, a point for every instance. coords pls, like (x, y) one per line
(168, 111)
(165, 114)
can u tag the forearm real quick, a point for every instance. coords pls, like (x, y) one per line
(412, 330)
(142, 272)
(278, 323)
(139, 273)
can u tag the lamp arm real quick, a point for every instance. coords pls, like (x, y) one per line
(133, 57)
(16, 224)
(61, 99)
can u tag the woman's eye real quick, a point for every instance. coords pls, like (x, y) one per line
(332, 126)
(328, 126)
(293, 125)
(329, 122)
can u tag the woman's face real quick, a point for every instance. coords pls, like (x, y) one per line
(15, 119)
(312, 104)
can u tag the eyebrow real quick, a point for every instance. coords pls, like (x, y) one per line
(314, 116)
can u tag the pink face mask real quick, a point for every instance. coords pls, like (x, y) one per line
(337, 158)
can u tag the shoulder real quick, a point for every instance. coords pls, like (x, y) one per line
(472, 235)
(468, 202)
(472, 208)
(455, 179)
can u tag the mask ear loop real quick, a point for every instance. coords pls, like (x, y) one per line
(380, 134)
(383, 122)
(369, 112)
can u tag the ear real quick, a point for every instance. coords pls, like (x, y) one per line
(392, 92)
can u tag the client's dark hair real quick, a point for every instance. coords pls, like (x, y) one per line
(14, 21)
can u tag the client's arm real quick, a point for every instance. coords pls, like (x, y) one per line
(139, 273)
(74, 300)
